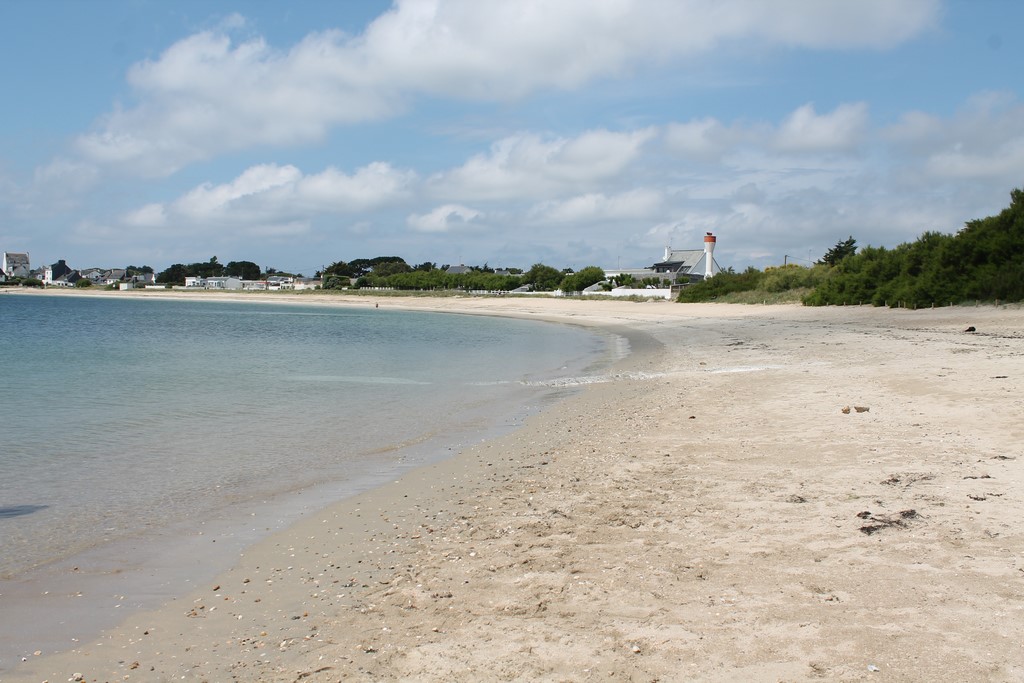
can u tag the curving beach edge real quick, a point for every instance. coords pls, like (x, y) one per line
(755, 493)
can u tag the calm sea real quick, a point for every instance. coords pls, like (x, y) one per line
(126, 418)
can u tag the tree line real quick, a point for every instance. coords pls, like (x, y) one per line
(984, 261)
(244, 270)
(392, 272)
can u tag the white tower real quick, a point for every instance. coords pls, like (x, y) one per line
(709, 255)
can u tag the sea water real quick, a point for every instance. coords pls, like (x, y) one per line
(130, 418)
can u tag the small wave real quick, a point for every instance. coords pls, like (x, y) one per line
(349, 379)
(594, 379)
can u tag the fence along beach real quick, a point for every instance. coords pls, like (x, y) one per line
(707, 511)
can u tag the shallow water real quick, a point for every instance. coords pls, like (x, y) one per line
(124, 414)
(130, 423)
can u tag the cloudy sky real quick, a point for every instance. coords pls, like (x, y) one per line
(507, 132)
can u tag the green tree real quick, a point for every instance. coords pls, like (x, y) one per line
(246, 270)
(577, 282)
(725, 282)
(83, 283)
(335, 282)
(543, 278)
(339, 268)
(173, 275)
(983, 261)
(386, 268)
(212, 268)
(363, 266)
(841, 250)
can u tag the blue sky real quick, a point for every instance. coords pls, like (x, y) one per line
(572, 133)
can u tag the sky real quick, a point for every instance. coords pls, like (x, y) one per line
(500, 132)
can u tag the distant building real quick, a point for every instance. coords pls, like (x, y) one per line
(213, 283)
(94, 275)
(113, 276)
(53, 273)
(66, 280)
(307, 283)
(143, 279)
(16, 264)
(276, 283)
(686, 265)
(678, 266)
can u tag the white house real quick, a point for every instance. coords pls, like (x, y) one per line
(678, 266)
(278, 282)
(223, 283)
(213, 283)
(307, 283)
(16, 264)
(687, 265)
(58, 273)
(92, 274)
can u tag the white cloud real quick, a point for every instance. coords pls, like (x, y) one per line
(501, 51)
(983, 140)
(445, 219)
(705, 138)
(57, 187)
(372, 186)
(264, 184)
(272, 199)
(207, 94)
(528, 166)
(599, 207)
(148, 216)
(803, 132)
(806, 131)
(1005, 162)
(69, 175)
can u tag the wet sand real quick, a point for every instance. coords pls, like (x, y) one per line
(709, 510)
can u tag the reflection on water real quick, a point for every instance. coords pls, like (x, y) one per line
(20, 510)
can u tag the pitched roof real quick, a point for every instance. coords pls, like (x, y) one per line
(14, 259)
(681, 260)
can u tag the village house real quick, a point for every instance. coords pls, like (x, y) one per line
(301, 283)
(57, 274)
(213, 283)
(678, 266)
(15, 264)
(686, 266)
(94, 275)
(273, 283)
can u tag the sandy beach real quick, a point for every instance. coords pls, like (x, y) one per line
(756, 493)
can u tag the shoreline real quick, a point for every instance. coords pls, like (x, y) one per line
(99, 585)
(697, 515)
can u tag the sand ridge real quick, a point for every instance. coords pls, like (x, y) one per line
(709, 513)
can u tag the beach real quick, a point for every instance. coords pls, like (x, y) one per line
(761, 493)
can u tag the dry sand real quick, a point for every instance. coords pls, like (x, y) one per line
(709, 512)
